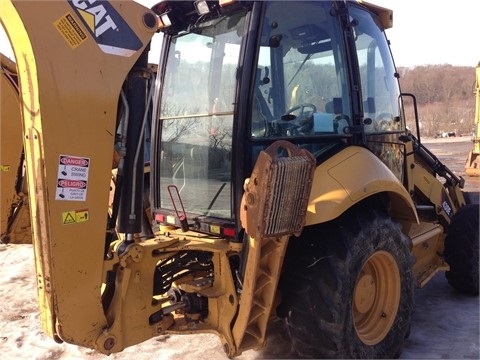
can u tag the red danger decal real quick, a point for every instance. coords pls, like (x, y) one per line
(73, 161)
(77, 184)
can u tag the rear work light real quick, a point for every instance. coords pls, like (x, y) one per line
(202, 7)
(164, 21)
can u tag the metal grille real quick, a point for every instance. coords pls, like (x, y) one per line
(287, 196)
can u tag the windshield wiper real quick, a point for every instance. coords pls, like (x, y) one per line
(215, 198)
(300, 67)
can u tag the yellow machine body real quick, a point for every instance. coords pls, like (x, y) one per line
(56, 133)
(15, 217)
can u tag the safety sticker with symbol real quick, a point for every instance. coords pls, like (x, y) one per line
(74, 217)
(72, 178)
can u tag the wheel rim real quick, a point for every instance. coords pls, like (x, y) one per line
(376, 297)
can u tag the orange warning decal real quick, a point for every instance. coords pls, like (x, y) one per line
(70, 30)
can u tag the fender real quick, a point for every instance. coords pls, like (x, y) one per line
(349, 177)
(69, 91)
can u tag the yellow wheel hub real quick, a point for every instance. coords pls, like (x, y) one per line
(376, 297)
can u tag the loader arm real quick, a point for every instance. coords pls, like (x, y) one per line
(69, 109)
(445, 197)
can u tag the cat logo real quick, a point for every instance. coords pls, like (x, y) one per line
(111, 32)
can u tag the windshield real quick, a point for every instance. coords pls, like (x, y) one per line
(301, 87)
(196, 114)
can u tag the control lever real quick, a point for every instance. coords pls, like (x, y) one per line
(175, 197)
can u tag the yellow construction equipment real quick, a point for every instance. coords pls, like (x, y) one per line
(282, 179)
(472, 166)
(15, 217)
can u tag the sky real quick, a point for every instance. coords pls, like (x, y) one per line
(428, 32)
(425, 32)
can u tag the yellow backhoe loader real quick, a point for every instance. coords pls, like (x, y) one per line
(472, 166)
(283, 181)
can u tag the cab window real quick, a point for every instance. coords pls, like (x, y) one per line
(301, 83)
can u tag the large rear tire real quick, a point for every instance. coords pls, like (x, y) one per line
(462, 250)
(348, 288)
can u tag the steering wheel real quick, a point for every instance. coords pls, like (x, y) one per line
(302, 107)
(301, 123)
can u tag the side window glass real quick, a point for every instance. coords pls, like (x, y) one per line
(380, 88)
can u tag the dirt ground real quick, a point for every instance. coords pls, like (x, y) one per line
(445, 324)
(453, 153)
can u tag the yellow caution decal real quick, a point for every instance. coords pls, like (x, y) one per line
(75, 216)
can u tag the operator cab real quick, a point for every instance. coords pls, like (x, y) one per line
(235, 76)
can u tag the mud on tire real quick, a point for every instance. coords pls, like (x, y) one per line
(462, 250)
(325, 314)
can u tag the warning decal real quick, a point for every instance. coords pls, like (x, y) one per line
(73, 217)
(70, 30)
(72, 178)
(68, 217)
